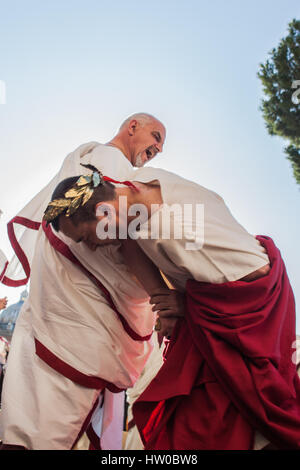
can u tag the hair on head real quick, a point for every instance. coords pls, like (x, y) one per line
(104, 192)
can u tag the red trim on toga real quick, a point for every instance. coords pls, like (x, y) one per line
(45, 354)
(87, 423)
(228, 369)
(18, 250)
(95, 442)
(3, 270)
(63, 249)
(68, 371)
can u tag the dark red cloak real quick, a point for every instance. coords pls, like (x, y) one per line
(229, 368)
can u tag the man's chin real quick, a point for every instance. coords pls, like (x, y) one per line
(139, 162)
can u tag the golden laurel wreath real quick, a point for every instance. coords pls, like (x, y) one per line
(75, 197)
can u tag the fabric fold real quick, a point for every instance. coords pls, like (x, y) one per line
(229, 368)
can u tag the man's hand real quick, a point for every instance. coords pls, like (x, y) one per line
(165, 326)
(168, 303)
(3, 303)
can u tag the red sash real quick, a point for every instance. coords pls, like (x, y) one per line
(229, 368)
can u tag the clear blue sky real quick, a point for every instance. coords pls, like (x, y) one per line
(75, 69)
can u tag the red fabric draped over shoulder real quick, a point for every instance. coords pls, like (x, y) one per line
(228, 369)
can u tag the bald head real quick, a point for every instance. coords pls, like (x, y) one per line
(141, 118)
(140, 137)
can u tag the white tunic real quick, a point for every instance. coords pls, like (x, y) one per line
(226, 252)
(70, 316)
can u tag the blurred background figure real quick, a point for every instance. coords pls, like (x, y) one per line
(3, 266)
(4, 348)
(9, 315)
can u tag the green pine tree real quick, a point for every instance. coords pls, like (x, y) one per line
(280, 77)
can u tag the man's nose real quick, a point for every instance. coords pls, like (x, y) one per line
(159, 146)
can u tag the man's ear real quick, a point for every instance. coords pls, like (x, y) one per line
(132, 127)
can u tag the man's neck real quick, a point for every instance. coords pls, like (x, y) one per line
(116, 142)
(147, 195)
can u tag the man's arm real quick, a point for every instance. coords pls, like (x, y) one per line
(142, 267)
(171, 305)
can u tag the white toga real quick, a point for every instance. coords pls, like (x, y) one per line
(69, 315)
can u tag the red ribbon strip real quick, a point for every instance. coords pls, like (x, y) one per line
(127, 183)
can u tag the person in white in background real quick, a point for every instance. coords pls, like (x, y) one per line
(4, 348)
(86, 324)
(3, 266)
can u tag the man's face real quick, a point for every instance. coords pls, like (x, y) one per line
(83, 232)
(147, 141)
